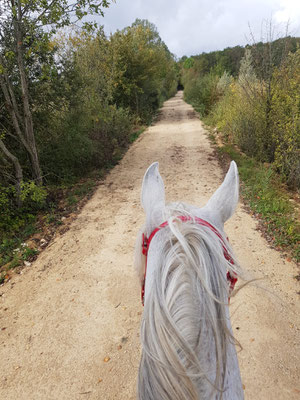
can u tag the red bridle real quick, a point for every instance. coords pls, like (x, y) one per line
(232, 279)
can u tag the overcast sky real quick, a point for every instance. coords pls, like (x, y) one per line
(194, 26)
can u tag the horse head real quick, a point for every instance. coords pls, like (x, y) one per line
(187, 271)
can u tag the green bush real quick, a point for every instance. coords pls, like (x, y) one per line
(241, 119)
(202, 92)
(30, 192)
(285, 117)
(110, 134)
(223, 114)
(264, 123)
(13, 218)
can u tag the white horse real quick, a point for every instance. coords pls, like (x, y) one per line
(187, 272)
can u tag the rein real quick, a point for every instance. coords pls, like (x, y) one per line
(231, 278)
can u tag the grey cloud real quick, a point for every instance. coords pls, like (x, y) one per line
(193, 26)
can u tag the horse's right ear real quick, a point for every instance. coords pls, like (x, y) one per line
(153, 196)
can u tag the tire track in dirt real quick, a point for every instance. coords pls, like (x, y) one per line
(79, 303)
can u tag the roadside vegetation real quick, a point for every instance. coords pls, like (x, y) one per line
(71, 101)
(251, 98)
(268, 200)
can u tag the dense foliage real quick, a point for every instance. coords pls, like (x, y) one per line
(70, 102)
(257, 106)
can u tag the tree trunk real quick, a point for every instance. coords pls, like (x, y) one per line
(28, 123)
(13, 109)
(18, 171)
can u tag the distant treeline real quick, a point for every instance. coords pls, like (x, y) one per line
(252, 95)
(70, 103)
(229, 59)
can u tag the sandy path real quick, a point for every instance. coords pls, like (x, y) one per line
(80, 302)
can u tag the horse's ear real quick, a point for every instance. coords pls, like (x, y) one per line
(223, 202)
(153, 196)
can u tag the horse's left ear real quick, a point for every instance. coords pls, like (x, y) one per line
(153, 196)
(223, 202)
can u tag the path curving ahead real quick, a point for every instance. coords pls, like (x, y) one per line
(69, 325)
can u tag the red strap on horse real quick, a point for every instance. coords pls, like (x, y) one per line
(232, 278)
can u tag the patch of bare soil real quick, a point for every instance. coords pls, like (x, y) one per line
(69, 325)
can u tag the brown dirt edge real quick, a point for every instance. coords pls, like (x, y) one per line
(48, 232)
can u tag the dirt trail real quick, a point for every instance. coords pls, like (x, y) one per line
(79, 303)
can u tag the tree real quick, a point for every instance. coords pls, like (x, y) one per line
(146, 68)
(26, 27)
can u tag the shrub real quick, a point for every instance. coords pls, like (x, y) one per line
(285, 117)
(241, 112)
(224, 83)
(202, 92)
(260, 115)
(13, 218)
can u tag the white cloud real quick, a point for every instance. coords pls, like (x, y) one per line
(288, 10)
(193, 26)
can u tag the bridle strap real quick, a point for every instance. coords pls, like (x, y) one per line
(231, 277)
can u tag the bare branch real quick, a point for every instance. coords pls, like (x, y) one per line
(13, 113)
(13, 100)
(18, 171)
